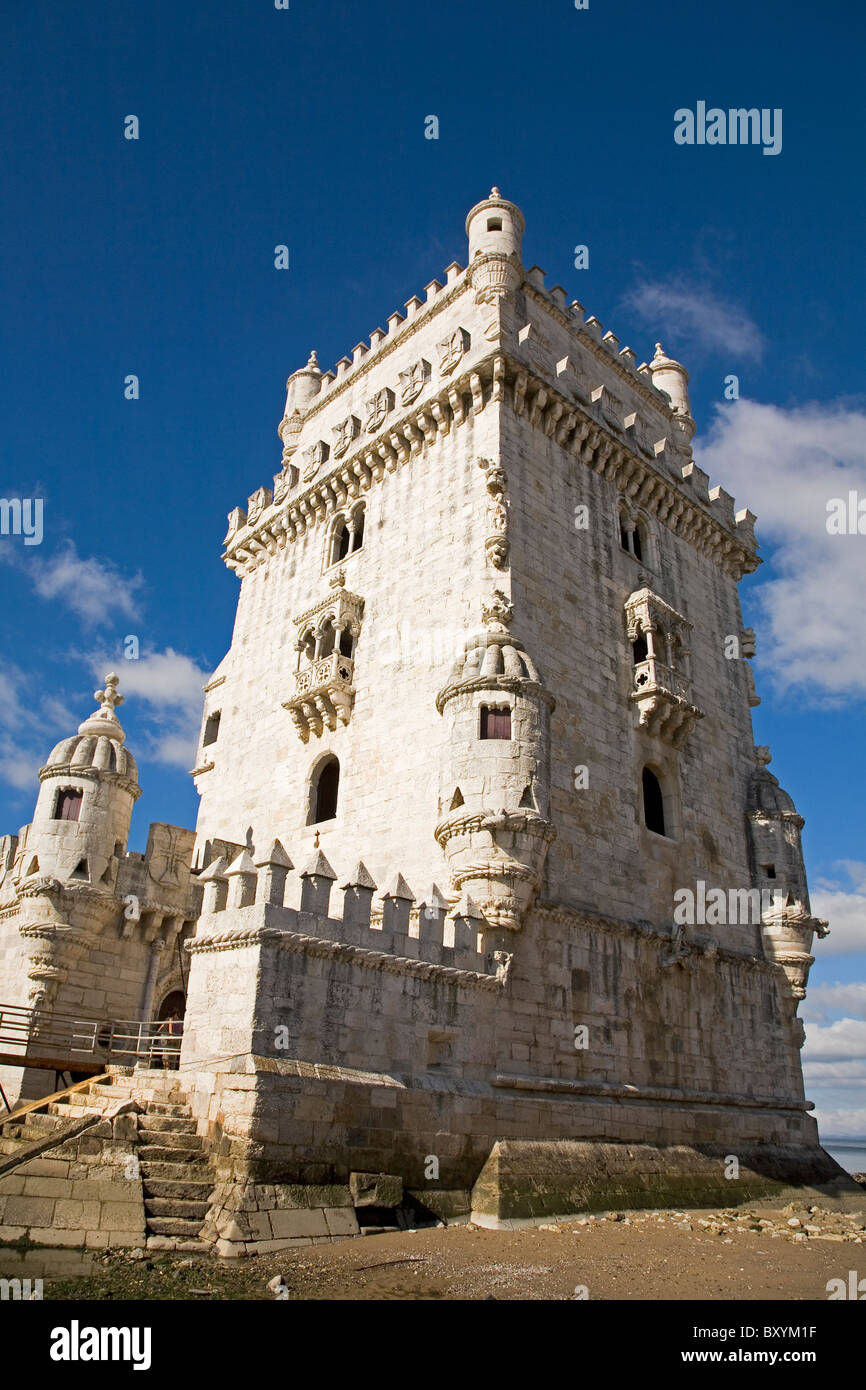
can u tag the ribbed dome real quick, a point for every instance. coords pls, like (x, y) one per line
(99, 741)
(765, 794)
(489, 655)
(96, 751)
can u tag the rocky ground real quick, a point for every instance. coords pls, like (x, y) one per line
(738, 1254)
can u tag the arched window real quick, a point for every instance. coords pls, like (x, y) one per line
(653, 803)
(347, 642)
(324, 791)
(639, 648)
(637, 542)
(328, 637)
(68, 804)
(357, 526)
(340, 543)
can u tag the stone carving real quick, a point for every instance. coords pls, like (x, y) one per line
(661, 681)
(378, 407)
(413, 381)
(496, 540)
(452, 349)
(345, 433)
(314, 457)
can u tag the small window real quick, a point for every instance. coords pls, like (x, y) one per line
(341, 543)
(653, 803)
(358, 528)
(495, 723)
(68, 806)
(636, 544)
(347, 642)
(639, 648)
(325, 790)
(211, 729)
(768, 870)
(494, 224)
(81, 870)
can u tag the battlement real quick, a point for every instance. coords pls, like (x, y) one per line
(245, 902)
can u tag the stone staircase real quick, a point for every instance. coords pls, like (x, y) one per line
(175, 1170)
(174, 1166)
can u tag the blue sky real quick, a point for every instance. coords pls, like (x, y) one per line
(305, 127)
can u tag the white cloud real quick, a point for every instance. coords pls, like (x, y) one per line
(169, 684)
(823, 1000)
(845, 910)
(93, 589)
(841, 1122)
(683, 311)
(786, 464)
(844, 1040)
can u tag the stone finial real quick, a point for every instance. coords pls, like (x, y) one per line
(358, 893)
(317, 866)
(313, 360)
(110, 696)
(104, 720)
(275, 857)
(399, 890)
(494, 192)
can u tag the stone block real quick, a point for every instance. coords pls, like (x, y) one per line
(29, 1211)
(116, 1216)
(375, 1189)
(298, 1223)
(341, 1221)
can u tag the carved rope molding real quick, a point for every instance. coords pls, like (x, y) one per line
(295, 943)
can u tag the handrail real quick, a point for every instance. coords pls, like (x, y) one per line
(40, 1104)
(35, 1031)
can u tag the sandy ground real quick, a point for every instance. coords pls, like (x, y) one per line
(636, 1256)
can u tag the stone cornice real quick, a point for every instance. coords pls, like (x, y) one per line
(295, 943)
(90, 774)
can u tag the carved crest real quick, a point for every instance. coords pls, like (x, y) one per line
(412, 381)
(378, 407)
(314, 457)
(344, 433)
(452, 349)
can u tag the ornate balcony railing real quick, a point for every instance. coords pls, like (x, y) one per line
(323, 695)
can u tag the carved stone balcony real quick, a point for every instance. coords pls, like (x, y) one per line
(662, 698)
(323, 695)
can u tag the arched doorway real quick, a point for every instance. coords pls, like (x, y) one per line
(173, 1005)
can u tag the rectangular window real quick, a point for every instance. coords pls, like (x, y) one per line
(769, 870)
(68, 804)
(495, 723)
(211, 729)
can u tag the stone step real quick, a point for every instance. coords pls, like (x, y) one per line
(164, 1107)
(172, 1170)
(172, 1139)
(38, 1124)
(173, 1226)
(182, 1244)
(170, 1153)
(183, 1207)
(179, 1189)
(166, 1124)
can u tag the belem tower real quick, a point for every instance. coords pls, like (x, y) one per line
(482, 718)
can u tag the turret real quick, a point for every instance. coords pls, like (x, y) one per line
(302, 388)
(495, 231)
(780, 874)
(672, 378)
(89, 786)
(494, 797)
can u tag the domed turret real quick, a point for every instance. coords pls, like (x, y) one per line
(672, 378)
(495, 776)
(89, 786)
(779, 872)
